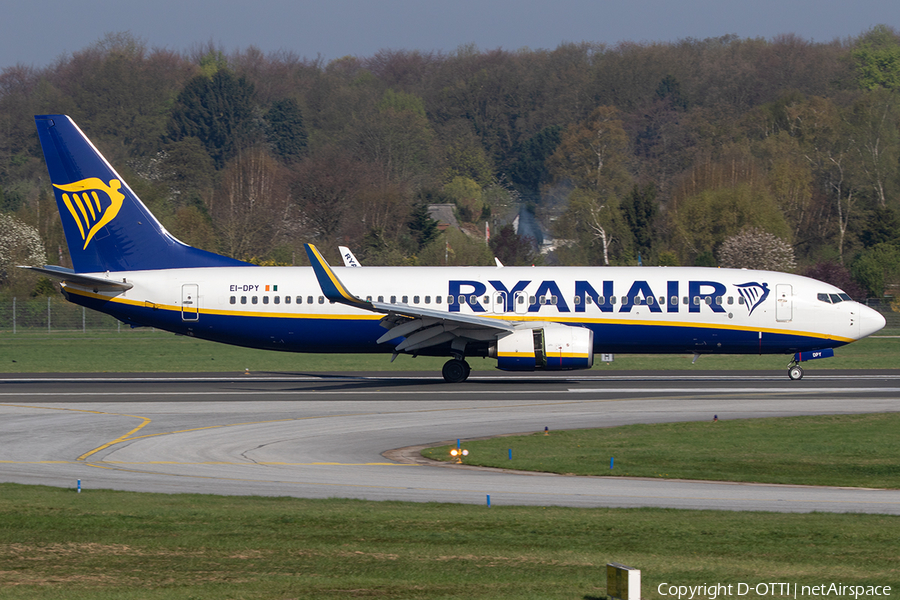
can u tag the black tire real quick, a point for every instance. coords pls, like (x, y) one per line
(455, 371)
(795, 373)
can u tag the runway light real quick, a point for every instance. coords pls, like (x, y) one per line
(458, 454)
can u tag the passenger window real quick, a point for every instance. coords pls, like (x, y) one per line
(381, 298)
(437, 299)
(254, 300)
(243, 299)
(427, 299)
(532, 300)
(265, 299)
(405, 299)
(520, 299)
(673, 300)
(487, 299)
(287, 299)
(393, 299)
(309, 299)
(578, 300)
(232, 300)
(651, 300)
(612, 299)
(543, 300)
(277, 299)
(473, 299)
(368, 298)
(719, 300)
(553, 300)
(684, 300)
(696, 300)
(730, 300)
(587, 300)
(321, 299)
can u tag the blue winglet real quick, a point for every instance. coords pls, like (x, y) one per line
(331, 286)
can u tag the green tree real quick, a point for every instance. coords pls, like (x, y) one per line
(704, 220)
(285, 130)
(423, 229)
(640, 209)
(529, 169)
(877, 59)
(218, 111)
(877, 267)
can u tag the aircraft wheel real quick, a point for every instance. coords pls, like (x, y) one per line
(455, 371)
(795, 373)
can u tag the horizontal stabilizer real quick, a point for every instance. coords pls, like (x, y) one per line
(69, 276)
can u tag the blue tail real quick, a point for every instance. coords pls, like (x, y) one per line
(107, 226)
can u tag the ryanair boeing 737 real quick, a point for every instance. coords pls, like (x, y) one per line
(554, 318)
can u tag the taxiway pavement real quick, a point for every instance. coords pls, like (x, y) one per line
(330, 435)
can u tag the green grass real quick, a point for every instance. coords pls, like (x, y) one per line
(156, 351)
(835, 450)
(55, 543)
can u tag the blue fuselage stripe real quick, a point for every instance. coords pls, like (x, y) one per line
(336, 334)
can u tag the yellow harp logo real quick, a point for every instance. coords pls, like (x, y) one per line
(92, 204)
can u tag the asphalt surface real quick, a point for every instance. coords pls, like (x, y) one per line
(354, 435)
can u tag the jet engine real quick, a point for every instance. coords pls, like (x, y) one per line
(551, 348)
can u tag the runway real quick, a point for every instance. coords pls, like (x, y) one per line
(336, 435)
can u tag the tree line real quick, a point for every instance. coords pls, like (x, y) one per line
(685, 153)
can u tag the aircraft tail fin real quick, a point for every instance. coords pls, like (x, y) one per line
(107, 226)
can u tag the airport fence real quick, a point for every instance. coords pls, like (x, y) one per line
(49, 314)
(53, 314)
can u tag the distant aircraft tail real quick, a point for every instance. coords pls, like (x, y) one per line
(107, 226)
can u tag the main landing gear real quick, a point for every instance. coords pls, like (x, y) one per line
(795, 372)
(456, 371)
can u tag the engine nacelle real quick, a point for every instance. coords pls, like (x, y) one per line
(554, 348)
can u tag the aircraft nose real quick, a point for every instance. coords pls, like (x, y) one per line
(870, 321)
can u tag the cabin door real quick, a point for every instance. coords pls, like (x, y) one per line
(783, 302)
(521, 303)
(498, 304)
(190, 308)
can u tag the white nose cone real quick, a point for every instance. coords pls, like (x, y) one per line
(870, 321)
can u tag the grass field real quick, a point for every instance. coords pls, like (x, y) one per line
(156, 351)
(835, 450)
(100, 545)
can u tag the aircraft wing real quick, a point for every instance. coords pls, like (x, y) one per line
(89, 281)
(422, 327)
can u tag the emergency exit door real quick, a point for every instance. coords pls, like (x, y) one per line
(190, 308)
(784, 310)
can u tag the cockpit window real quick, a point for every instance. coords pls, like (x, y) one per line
(834, 298)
